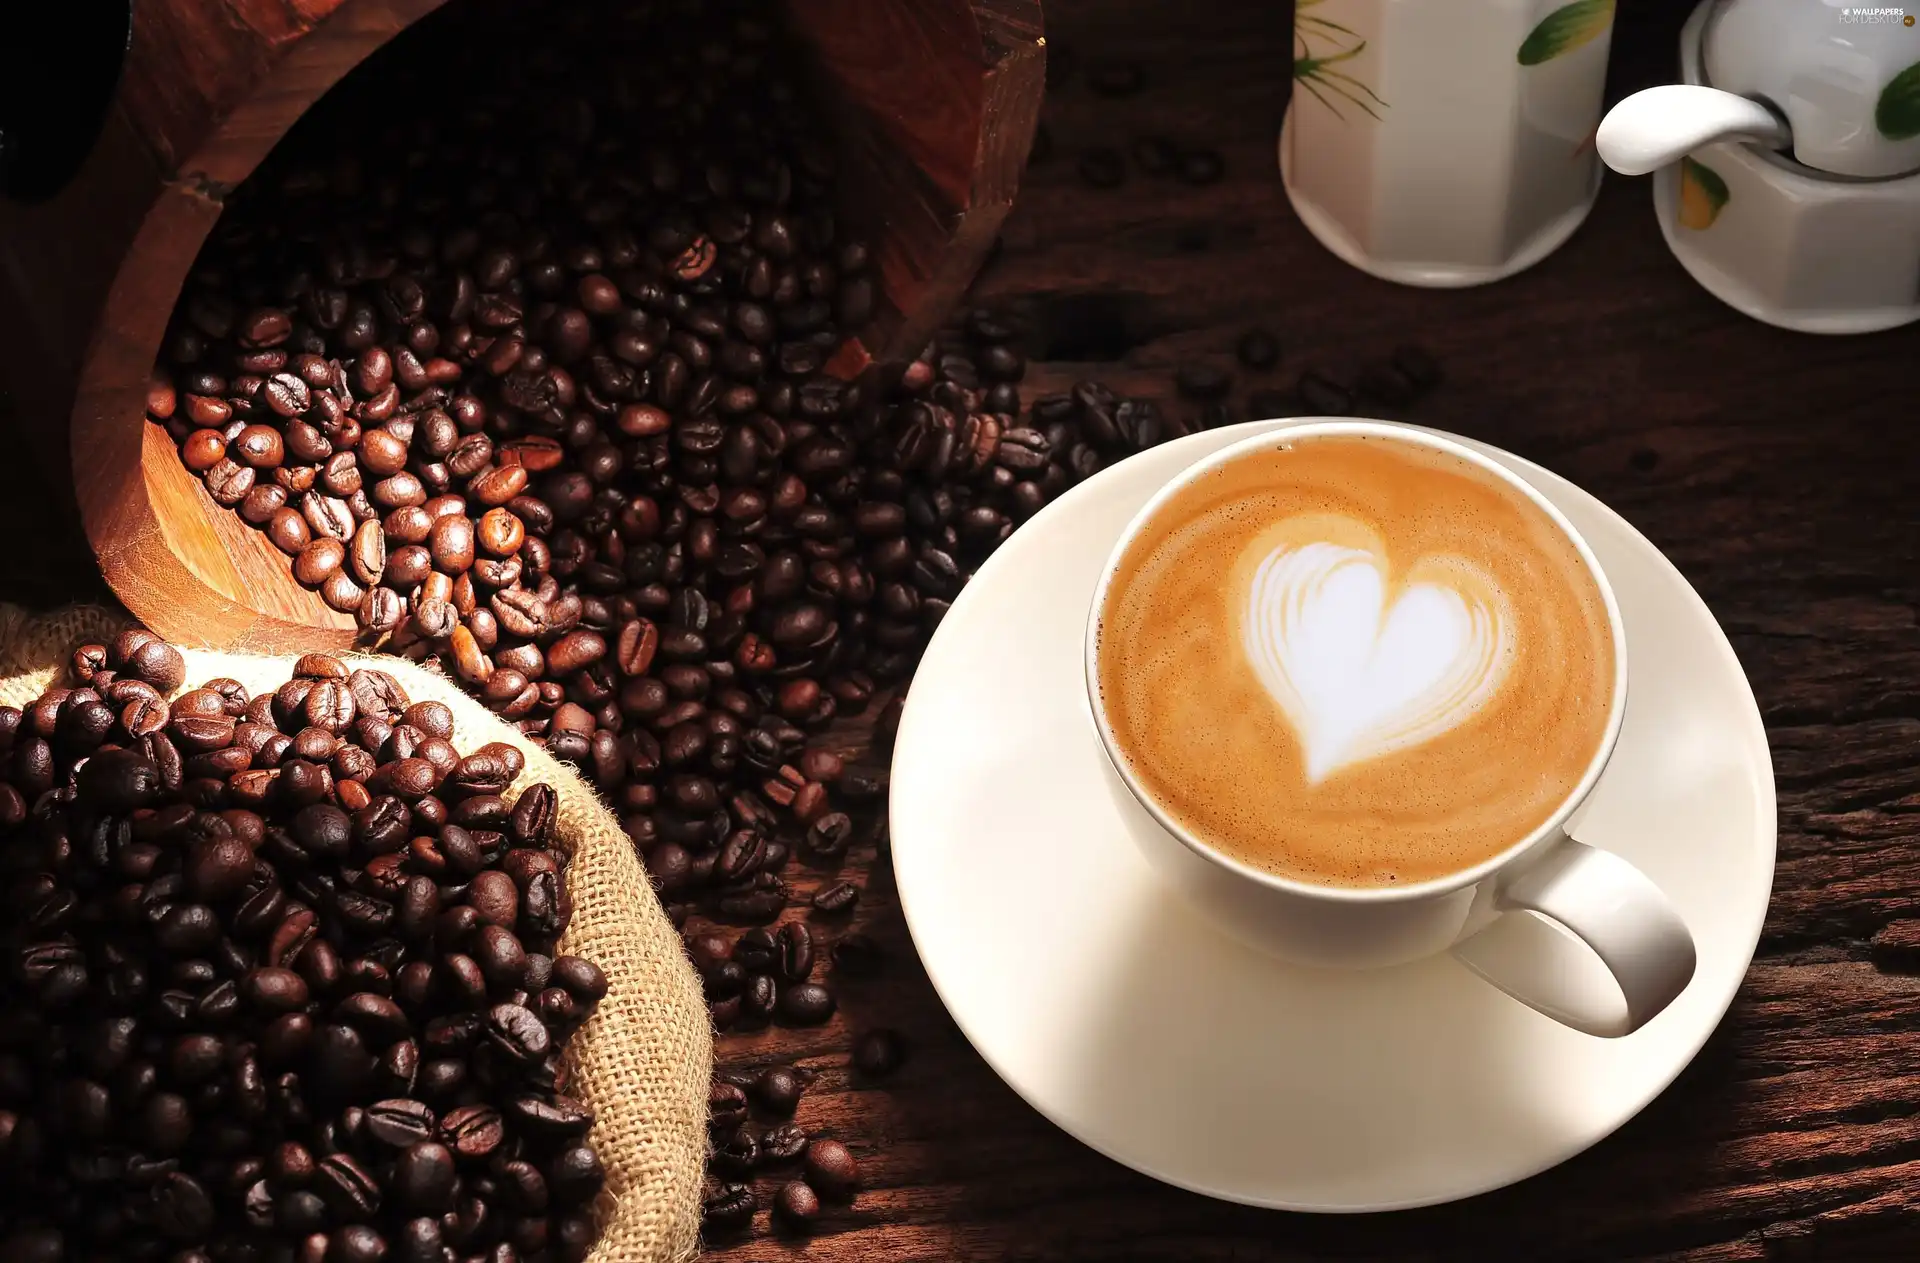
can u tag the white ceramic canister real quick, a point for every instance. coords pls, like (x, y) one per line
(1445, 142)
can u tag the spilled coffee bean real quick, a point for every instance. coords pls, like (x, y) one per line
(878, 1053)
(1323, 396)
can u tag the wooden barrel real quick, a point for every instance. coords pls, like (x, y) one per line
(935, 104)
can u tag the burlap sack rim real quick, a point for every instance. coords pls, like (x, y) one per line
(645, 1060)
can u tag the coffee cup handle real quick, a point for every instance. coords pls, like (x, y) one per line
(1611, 907)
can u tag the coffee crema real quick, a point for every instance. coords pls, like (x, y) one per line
(1355, 661)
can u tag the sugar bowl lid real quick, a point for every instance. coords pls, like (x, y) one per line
(1846, 77)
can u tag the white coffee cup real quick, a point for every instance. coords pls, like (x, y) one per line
(1604, 905)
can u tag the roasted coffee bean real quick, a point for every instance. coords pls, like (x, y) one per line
(400, 1123)
(728, 1208)
(778, 1091)
(829, 835)
(878, 1053)
(794, 944)
(356, 1243)
(575, 650)
(837, 899)
(120, 780)
(203, 449)
(318, 561)
(582, 978)
(726, 1108)
(380, 611)
(259, 446)
(425, 1178)
(452, 544)
(759, 999)
(737, 1154)
(550, 1118)
(830, 1168)
(797, 1205)
(376, 1017)
(351, 1190)
(228, 482)
(1324, 396)
(805, 1004)
(274, 990)
(158, 664)
(785, 1143)
(756, 950)
(518, 1034)
(1197, 379)
(180, 1207)
(288, 532)
(474, 1132)
(368, 554)
(1383, 383)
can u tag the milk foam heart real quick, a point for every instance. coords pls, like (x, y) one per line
(1354, 660)
(1363, 667)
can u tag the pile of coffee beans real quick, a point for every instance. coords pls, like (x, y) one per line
(749, 1113)
(533, 376)
(536, 368)
(280, 979)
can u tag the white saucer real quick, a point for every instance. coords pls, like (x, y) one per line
(1133, 1024)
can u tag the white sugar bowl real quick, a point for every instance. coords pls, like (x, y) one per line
(1787, 161)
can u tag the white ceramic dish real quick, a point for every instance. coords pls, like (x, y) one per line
(1784, 243)
(1131, 1022)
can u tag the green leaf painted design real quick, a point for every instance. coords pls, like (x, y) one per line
(1703, 194)
(1565, 29)
(1898, 114)
(1317, 70)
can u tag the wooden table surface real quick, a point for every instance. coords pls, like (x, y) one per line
(1780, 472)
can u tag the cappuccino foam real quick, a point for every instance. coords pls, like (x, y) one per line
(1355, 661)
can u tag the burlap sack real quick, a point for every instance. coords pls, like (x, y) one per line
(644, 1062)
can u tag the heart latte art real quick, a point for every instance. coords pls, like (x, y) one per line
(1354, 661)
(1362, 669)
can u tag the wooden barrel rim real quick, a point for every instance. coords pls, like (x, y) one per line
(200, 574)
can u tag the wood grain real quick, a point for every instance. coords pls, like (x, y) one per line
(938, 99)
(1781, 473)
